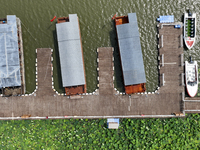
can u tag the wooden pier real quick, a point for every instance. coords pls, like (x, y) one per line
(106, 70)
(171, 59)
(107, 102)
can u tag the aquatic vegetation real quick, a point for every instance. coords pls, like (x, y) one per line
(182, 133)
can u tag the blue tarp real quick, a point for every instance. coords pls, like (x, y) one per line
(166, 19)
(113, 120)
(9, 65)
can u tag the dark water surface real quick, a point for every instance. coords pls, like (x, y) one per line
(97, 30)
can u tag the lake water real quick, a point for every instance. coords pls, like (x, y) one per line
(97, 30)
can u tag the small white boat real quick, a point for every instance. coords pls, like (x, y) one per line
(191, 77)
(189, 29)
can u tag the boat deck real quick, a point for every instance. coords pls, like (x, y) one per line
(63, 19)
(121, 20)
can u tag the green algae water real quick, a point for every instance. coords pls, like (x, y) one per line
(97, 30)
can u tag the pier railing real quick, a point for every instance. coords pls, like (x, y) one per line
(161, 41)
(181, 40)
(182, 60)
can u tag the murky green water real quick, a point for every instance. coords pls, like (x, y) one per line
(97, 30)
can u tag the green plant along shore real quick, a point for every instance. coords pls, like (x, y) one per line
(174, 133)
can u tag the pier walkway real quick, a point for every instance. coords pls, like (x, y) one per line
(171, 59)
(106, 102)
(106, 70)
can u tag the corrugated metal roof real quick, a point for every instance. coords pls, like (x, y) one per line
(132, 17)
(128, 30)
(70, 52)
(9, 64)
(67, 31)
(130, 52)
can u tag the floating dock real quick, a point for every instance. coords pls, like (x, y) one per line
(171, 58)
(106, 102)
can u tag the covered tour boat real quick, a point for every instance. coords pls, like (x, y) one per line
(189, 29)
(130, 53)
(71, 55)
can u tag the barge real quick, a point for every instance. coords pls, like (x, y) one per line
(189, 29)
(12, 74)
(71, 55)
(130, 54)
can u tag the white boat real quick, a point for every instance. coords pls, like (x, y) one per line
(189, 29)
(191, 77)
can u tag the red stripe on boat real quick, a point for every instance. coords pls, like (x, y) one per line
(190, 43)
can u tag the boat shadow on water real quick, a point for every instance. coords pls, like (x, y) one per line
(56, 66)
(118, 82)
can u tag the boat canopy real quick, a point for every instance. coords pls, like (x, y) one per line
(70, 52)
(166, 19)
(10, 75)
(131, 52)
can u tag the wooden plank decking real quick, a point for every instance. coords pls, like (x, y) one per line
(106, 72)
(170, 52)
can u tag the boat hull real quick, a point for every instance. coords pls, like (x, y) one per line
(191, 78)
(189, 30)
